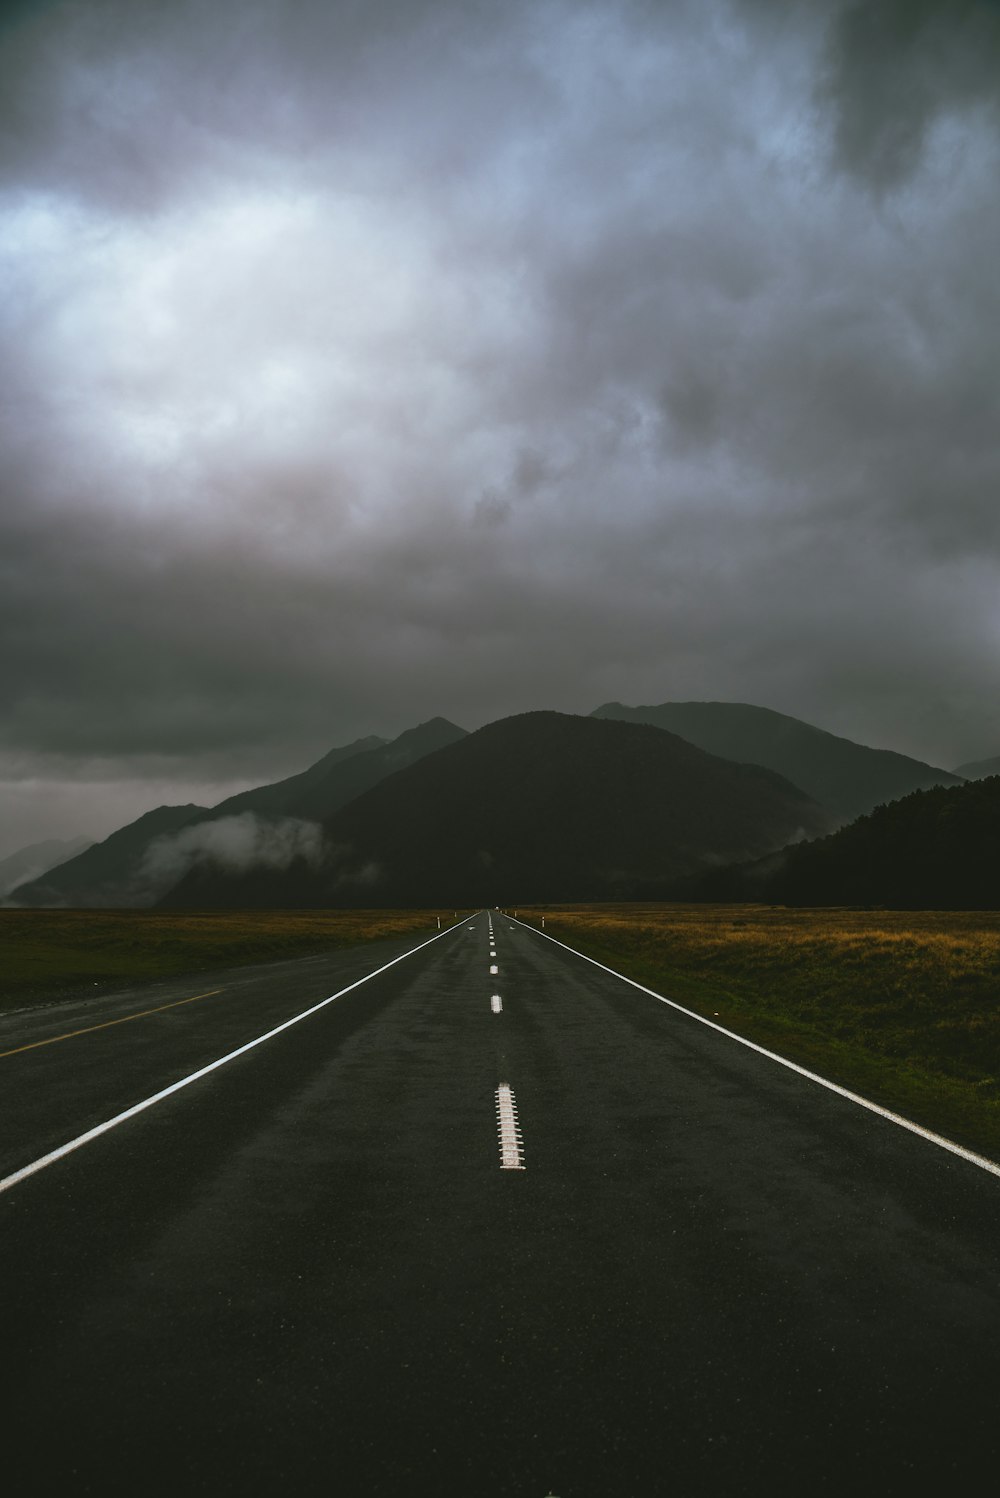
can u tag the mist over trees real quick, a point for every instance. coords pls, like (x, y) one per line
(935, 849)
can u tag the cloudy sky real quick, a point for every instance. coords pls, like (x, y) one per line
(368, 361)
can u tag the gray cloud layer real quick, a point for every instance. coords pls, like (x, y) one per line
(362, 363)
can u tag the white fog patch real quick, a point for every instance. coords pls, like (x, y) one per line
(234, 845)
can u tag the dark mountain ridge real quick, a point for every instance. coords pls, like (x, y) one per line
(980, 769)
(125, 870)
(935, 849)
(282, 797)
(847, 778)
(540, 806)
(366, 770)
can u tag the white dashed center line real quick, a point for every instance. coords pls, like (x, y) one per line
(496, 1003)
(494, 970)
(511, 1146)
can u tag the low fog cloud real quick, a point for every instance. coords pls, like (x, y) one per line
(366, 363)
(233, 845)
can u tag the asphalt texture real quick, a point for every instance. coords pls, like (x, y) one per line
(306, 1272)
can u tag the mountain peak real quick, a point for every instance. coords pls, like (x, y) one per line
(848, 778)
(431, 728)
(436, 733)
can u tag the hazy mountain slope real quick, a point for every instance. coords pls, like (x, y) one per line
(979, 769)
(282, 797)
(109, 873)
(363, 771)
(848, 778)
(342, 774)
(139, 862)
(31, 862)
(933, 850)
(539, 806)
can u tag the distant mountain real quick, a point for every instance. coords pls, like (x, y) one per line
(284, 797)
(107, 874)
(35, 860)
(541, 806)
(139, 862)
(933, 850)
(847, 778)
(363, 771)
(979, 769)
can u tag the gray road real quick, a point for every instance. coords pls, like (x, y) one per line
(307, 1273)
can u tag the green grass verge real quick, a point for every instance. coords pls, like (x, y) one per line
(52, 954)
(901, 1007)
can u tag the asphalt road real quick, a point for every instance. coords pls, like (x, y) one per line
(307, 1273)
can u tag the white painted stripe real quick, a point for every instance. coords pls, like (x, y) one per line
(496, 1003)
(95, 1133)
(494, 970)
(852, 1097)
(511, 1145)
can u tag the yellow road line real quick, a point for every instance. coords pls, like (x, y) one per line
(71, 1034)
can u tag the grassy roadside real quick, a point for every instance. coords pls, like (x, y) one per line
(900, 1006)
(51, 954)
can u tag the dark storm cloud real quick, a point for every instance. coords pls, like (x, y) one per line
(131, 102)
(366, 362)
(897, 67)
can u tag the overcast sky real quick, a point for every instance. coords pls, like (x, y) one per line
(363, 362)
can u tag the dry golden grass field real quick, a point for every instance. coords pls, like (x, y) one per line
(901, 1006)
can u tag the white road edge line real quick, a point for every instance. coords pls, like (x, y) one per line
(511, 1146)
(853, 1097)
(496, 1004)
(95, 1133)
